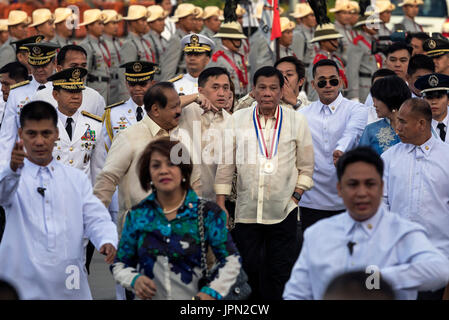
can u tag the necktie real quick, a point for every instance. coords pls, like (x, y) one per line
(442, 131)
(139, 115)
(68, 127)
(41, 87)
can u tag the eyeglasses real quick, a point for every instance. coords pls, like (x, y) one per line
(435, 94)
(333, 82)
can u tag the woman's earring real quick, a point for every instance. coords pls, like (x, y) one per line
(183, 179)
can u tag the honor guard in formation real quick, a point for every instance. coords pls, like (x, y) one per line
(303, 33)
(227, 55)
(113, 45)
(286, 39)
(411, 10)
(18, 22)
(363, 63)
(44, 23)
(212, 17)
(42, 61)
(173, 61)
(64, 23)
(197, 51)
(98, 56)
(384, 8)
(118, 116)
(80, 143)
(343, 25)
(156, 22)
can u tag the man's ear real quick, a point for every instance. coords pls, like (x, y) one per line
(55, 94)
(200, 90)
(339, 189)
(313, 85)
(58, 68)
(154, 110)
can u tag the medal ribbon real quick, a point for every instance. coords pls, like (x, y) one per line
(276, 133)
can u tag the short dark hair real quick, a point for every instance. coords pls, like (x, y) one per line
(211, 72)
(322, 63)
(380, 73)
(423, 36)
(38, 110)
(352, 285)
(7, 291)
(16, 71)
(420, 107)
(60, 59)
(164, 146)
(360, 154)
(392, 91)
(420, 61)
(396, 46)
(268, 71)
(156, 95)
(299, 65)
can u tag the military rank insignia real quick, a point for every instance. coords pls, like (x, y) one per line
(89, 135)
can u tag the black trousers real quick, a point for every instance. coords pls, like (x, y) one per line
(89, 254)
(431, 295)
(268, 254)
(2, 222)
(309, 216)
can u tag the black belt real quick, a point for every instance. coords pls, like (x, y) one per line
(306, 65)
(364, 75)
(91, 78)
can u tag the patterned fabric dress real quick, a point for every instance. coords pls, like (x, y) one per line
(379, 135)
(169, 252)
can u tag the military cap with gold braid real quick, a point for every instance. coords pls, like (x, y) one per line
(20, 44)
(197, 43)
(436, 47)
(139, 71)
(41, 53)
(69, 79)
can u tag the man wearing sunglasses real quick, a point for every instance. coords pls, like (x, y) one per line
(336, 124)
(435, 88)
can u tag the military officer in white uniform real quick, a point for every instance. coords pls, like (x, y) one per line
(197, 49)
(42, 61)
(80, 143)
(72, 56)
(118, 116)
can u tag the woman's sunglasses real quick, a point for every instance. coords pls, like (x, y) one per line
(322, 83)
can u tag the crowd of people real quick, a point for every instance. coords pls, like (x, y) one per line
(302, 164)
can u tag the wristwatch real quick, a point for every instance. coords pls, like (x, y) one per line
(196, 298)
(297, 196)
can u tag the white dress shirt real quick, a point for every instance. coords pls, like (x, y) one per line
(446, 123)
(399, 249)
(416, 185)
(41, 253)
(93, 102)
(17, 98)
(337, 126)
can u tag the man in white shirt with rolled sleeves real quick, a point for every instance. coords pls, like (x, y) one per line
(49, 209)
(336, 124)
(368, 238)
(416, 179)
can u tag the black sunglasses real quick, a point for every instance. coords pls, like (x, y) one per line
(435, 94)
(322, 83)
(140, 83)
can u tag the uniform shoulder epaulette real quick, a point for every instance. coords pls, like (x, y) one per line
(176, 78)
(19, 84)
(92, 116)
(115, 104)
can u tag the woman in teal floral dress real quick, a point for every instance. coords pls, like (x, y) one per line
(388, 95)
(159, 254)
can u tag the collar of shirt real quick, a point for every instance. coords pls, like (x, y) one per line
(185, 211)
(93, 39)
(333, 105)
(261, 116)
(63, 118)
(445, 121)
(34, 82)
(153, 126)
(33, 169)
(368, 226)
(134, 106)
(426, 147)
(188, 77)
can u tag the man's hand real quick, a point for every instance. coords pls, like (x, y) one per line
(220, 200)
(205, 296)
(205, 104)
(288, 93)
(336, 155)
(300, 191)
(18, 155)
(145, 288)
(109, 251)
